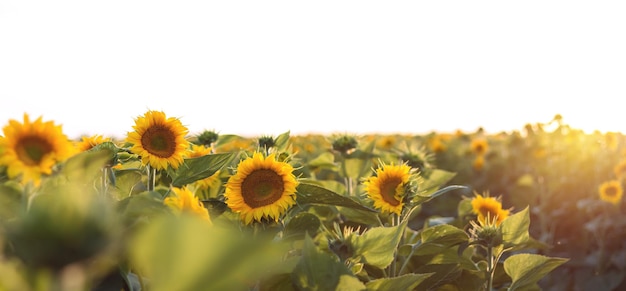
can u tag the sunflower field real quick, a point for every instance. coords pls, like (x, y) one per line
(163, 208)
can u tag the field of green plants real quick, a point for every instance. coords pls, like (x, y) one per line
(539, 208)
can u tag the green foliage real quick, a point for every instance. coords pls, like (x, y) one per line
(194, 169)
(322, 271)
(526, 269)
(98, 215)
(313, 194)
(377, 246)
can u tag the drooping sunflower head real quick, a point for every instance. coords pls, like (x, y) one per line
(387, 187)
(185, 202)
(158, 140)
(261, 189)
(207, 138)
(611, 191)
(344, 143)
(32, 148)
(88, 142)
(488, 207)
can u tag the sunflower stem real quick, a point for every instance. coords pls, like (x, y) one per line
(490, 268)
(392, 268)
(28, 193)
(151, 177)
(349, 187)
(105, 179)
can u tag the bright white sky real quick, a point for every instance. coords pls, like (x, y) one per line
(266, 67)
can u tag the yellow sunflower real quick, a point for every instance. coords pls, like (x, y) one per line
(262, 188)
(611, 191)
(186, 202)
(31, 149)
(198, 151)
(437, 145)
(386, 188)
(478, 163)
(88, 142)
(160, 141)
(479, 146)
(490, 207)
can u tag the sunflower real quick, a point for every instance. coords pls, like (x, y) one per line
(160, 141)
(31, 149)
(488, 207)
(479, 146)
(478, 163)
(436, 144)
(611, 191)
(186, 202)
(387, 187)
(262, 188)
(88, 142)
(198, 151)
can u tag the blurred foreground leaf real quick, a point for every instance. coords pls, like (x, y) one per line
(186, 253)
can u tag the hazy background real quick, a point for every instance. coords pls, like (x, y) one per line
(266, 67)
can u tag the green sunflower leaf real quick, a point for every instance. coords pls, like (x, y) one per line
(301, 224)
(313, 194)
(421, 198)
(318, 270)
(436, 180)
(515, 229)
(194, 169)
(526, 270)
(377, 246)
(404, 282)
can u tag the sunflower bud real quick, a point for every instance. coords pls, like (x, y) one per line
(266, 142)
(207, 138)
(487, 233)
(344, 144)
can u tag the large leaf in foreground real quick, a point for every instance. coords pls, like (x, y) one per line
(377, 246)
(515, 229)
(526, 270)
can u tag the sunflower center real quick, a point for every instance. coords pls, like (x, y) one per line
(32, 149)
(262, 187)
(159, 141)
(486, 210)
(388, 191)
(610, 192)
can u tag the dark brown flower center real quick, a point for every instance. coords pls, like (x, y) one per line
(388, 190)
(479, 148)
(610, 191)
(31, 150)
(490, 210)
(159, 141)
(262, 187)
